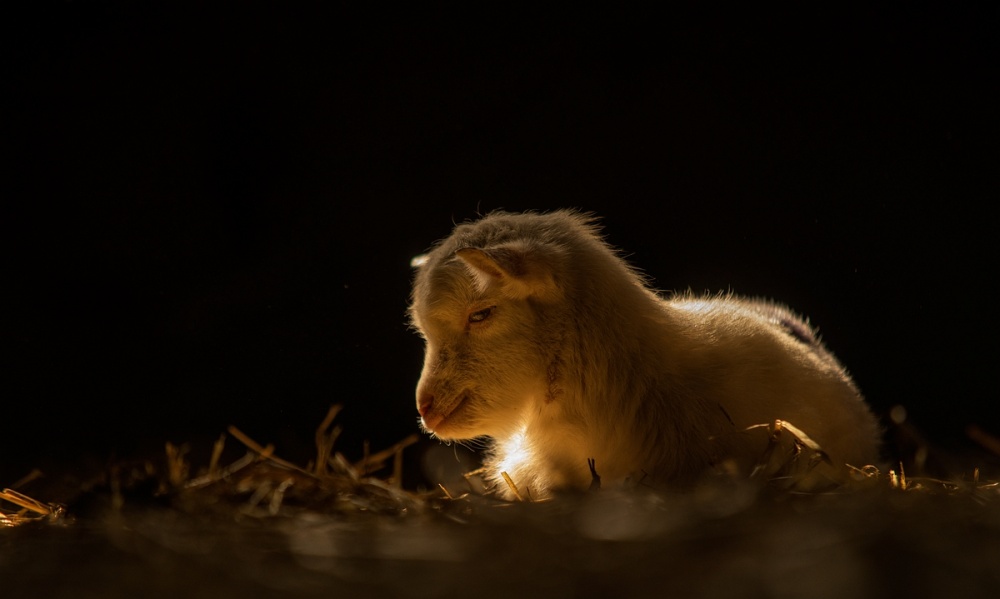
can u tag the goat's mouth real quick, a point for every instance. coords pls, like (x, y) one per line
(435, 420)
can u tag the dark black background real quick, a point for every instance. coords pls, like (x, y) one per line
(211, 213)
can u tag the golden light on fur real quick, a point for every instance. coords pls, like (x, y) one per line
(514, 452)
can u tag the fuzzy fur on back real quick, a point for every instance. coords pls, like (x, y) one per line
(540, 337)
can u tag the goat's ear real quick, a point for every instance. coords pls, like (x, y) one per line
(520, 269)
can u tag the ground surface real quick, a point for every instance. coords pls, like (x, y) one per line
(728, 538)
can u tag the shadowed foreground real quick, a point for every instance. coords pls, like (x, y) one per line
(263, 527)
(871, 544)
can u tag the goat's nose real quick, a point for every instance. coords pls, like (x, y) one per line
(425, 401)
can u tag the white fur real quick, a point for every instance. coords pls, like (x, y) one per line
(539, 336)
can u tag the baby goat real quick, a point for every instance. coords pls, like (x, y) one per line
(539, 336)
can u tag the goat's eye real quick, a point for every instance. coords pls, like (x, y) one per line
(481, 315)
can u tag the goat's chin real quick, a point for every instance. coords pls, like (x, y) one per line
(449, 431)
(457, 425)
(469, 423)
